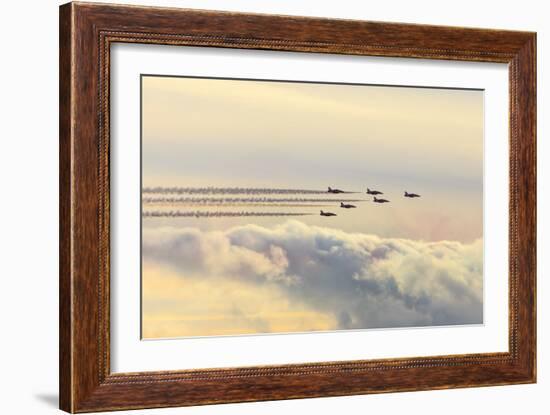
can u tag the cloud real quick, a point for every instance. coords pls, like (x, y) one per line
(175, 305)
(357, 280)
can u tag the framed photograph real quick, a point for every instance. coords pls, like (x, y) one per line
(259, 207)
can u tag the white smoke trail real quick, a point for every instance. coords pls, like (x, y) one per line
(199, 214)
(231, 190)
(234, 204)
(243, 200)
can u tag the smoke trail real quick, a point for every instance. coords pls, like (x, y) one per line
(233, 204)
(231, 191)
(199, 214)
(243, 200)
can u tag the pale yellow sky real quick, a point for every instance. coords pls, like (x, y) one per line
(210, 132)
(265, 127)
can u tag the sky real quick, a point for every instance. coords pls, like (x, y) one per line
(284, 272)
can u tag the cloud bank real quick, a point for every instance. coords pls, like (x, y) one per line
(361, 281)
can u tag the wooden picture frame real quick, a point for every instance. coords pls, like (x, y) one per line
(86, 33)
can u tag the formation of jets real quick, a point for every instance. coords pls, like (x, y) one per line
(374, 193)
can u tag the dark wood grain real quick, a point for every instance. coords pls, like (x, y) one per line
(86, 33)
(65, 246)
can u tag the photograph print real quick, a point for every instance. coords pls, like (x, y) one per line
(272, 206)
